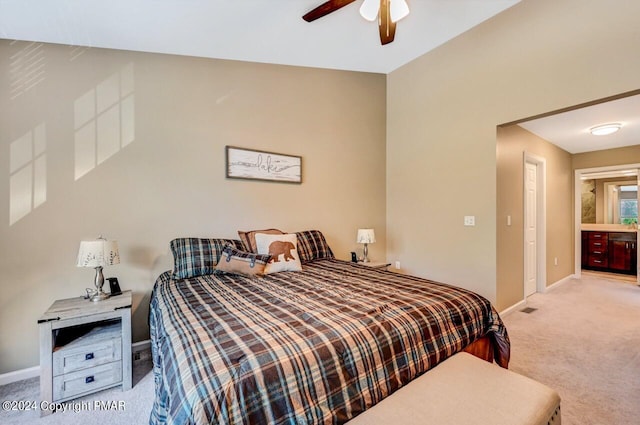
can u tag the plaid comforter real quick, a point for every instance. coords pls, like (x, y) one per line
(311, 347)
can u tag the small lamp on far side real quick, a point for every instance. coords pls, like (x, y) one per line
(366, 236)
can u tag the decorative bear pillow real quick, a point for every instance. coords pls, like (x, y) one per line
(283, 251)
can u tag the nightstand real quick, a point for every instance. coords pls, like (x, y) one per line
(85, 347)
(382, 265)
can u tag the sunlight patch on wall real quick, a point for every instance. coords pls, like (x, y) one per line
(28, 173)
(76, 51)
(26, 68)
(104, 120)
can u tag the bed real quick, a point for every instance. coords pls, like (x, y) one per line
(317, 346)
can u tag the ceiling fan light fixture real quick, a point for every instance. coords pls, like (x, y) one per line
(399, 10)
(369, 9)
(605, 129)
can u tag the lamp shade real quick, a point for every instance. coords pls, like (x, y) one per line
(98, 253)
(366, 236)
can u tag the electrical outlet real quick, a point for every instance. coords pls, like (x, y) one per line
(397, 265)
(141, 355)
(469, 220)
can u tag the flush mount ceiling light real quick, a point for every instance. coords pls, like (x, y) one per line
(388, 13)
(605, 129)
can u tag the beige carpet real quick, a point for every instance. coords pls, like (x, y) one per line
(134, 409)
(584, 341)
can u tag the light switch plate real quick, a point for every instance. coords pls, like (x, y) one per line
(469, 220)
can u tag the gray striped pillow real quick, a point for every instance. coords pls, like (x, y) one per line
(196, 257)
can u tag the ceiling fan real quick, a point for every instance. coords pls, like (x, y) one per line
(388, 13)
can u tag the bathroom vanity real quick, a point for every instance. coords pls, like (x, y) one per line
(610, 251)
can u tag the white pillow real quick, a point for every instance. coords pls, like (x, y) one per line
(283, 250)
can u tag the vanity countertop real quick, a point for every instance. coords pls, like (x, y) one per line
(608, 228)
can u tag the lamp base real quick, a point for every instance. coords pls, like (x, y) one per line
(99, 296)
(366, 253)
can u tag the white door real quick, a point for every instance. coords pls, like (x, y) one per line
(530, 228)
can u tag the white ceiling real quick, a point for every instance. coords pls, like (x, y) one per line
(272, 31)
(570, 130)
(269, 31)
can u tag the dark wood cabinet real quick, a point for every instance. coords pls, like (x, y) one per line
(610, 251)
(622, 252)
(620, 258)
(598, 249)
(585, 248)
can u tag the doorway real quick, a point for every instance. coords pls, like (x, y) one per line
(605, 172)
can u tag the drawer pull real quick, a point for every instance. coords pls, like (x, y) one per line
(597, 261)
(89, 379)
(88, 356)
(597, 236)
(597, 243)
(597, 252)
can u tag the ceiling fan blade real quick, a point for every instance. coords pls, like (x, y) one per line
(326, 8)
(386, 26)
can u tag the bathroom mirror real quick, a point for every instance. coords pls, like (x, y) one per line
(621, 202)
(610, 200)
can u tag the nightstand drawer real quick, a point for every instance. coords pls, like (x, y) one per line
(99, 346)
(85, 381)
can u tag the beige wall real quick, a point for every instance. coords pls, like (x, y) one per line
(609, 157)
(170, 180)
(442, 112)
(512, 142)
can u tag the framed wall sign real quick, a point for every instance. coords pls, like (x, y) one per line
(252, 164)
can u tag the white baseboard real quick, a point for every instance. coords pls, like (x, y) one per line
(560, 282)
(19, 375)
(141, 346)
(513, 308)
(551, 287)
(32, 372)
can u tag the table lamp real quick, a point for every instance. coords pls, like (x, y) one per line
(97, 254)
(366, 236)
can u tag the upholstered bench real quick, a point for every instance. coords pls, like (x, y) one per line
(464, 390)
